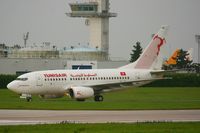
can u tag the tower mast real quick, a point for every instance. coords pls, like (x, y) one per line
(25, 39)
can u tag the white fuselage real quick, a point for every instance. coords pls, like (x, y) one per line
(58, 81)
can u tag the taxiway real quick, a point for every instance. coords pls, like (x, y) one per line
(22, 117)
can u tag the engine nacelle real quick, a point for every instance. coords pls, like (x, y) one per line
(81, 92)
(51, 96)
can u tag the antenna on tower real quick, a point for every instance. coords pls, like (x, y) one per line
(26, 38)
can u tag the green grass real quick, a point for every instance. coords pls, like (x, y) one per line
(130, 99)
(106, 128)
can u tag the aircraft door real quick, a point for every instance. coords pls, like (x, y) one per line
(38, 80)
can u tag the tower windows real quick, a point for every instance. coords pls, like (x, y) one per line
(84, 7)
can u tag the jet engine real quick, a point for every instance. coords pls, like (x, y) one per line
(51, 96)
(81, 93)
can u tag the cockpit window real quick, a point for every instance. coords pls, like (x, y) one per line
(22, 79)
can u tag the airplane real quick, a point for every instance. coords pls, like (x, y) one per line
(173, 58)
(83, 84)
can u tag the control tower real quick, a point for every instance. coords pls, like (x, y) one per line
(97, 17)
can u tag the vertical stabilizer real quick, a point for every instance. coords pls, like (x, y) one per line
(173, 58)
(151, 57)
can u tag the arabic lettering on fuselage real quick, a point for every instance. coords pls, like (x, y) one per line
(55, 75)
(83, 75)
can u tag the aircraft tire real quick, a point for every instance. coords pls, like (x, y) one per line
(98, 98)
(28, 99)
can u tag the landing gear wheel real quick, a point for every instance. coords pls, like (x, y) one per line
(98, 98)
(28, 99)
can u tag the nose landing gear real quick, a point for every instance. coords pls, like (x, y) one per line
(27, 97)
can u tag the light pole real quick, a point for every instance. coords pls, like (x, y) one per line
(198, 41)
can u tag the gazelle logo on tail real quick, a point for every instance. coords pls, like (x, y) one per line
(149, 58)
(162, 40)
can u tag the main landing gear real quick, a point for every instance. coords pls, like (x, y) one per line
(29, 99)
(98, 98)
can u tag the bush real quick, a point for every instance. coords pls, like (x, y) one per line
(178, 80)
(6, 79)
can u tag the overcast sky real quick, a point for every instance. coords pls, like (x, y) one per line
(136, 21)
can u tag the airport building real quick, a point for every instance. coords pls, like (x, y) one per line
(37, 51)
(3, 51)
(83, 53)
(94, 55)
(20, 65)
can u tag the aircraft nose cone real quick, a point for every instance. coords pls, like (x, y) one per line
(11, 86)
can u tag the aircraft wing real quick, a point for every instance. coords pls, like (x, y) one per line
(157, 71)
(111, 86)
(163, 71)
